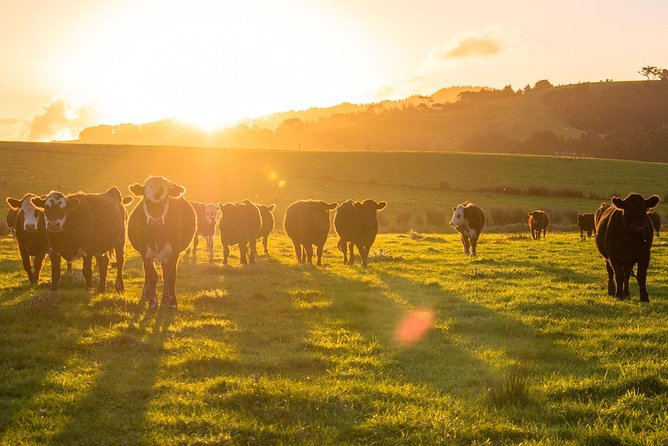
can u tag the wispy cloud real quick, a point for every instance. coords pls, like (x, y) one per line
(489, 43)
(57, 120)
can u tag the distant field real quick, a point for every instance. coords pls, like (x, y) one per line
(522, 346)
(421, 188)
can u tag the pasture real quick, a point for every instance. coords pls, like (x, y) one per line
(425, 346)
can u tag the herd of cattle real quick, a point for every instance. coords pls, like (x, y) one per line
(164, 224)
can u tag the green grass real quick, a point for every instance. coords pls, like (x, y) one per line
(523, 346)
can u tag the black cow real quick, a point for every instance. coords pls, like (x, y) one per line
(160, 228)
(655, 219)
(357, 225)
(624, 237)
(586, 224)
(205, 214)
(30, 231)
(307, 223)
(267, 214)
(538, 221)
(10, 219)
(83, 225)
(469, 220)
(240, 224)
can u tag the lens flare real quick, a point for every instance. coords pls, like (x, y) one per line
(414, 326)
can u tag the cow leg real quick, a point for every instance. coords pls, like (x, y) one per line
(474, 244)
(620, 276)
(611, 279)
(103, 267)
(25, 258)
(319, 249)
(69, 267)
(264, 243)
(209, 245)
(226, 253)
(467, 245)
(253, 251)
(88, 271)
(363, 253)
(352, 253)
(589, 232)
(581, 233)
(55, 271)
(38, 266)
(298, 251)
(641, 276)
(343, 247)
(544, 232)
(243, 253)
(308, 249)
(150, 281)
(169, 287)
(195, 243)
(120, 261)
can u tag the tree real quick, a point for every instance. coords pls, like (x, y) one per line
(542, 85)
(650, 72)
(663, 75)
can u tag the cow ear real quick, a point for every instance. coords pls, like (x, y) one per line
(381, 205)
(38, 202)
(618, 202)
(127, 200)
(332, 205)
(652, 201)
(13, 203)
(454, 209)
(271, 207)
(357, 204)
(73, 203)
(530, 214)
(176, 190)
(137, 189)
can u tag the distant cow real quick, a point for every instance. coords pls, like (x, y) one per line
(469, 220)
(357, 225)
(160, 228)
(240, 224)
(538, 221)
(206, 225)
(11, 219)
(307, 224)
(30, 230)
(655, 219)
(267, 214)
(586, 224)
(624, 237)
(83, 225)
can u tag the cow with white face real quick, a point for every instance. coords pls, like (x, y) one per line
(207, 214)
(160, 228)
(30, 231)
(469, 220)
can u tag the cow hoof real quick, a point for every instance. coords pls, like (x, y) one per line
(153, 304)
(644, 298)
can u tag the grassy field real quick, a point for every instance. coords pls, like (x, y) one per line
(421, 188)
(426, 346)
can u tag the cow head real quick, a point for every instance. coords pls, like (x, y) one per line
(634, 208)
(210, 213)
(580, 219)
(156, 192)
(30, 212)
(264, 207)
(458, 220)
(369, 210)
(56, 206)
(317, 212)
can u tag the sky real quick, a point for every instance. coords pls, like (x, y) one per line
(69, 64)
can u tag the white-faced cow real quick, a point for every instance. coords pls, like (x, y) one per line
(624, 236)
(240, 225)
(267, 214)
(469, 220)
(83, 225)
(30, 231)
(307, 224)
(160, 228)
(206, 214)
(538, 221)
(357, 225)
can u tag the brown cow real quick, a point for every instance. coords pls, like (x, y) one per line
(240, 224)
(30, 230)
(655, 219)
(11, 219)
(538, 221)
(206, 214)
(469, 220)
(357, 225)
(307, 223)
(624, 237)
(267, 214)
(83, 225)
(160, 228)
(586, 224)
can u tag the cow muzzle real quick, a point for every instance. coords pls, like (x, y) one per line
(54, 226)
(30, 227)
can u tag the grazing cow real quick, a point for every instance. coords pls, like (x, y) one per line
(655, 219)
(240, 224)
(307, 224)
(538, 221)
(30, 230)
(624, 237)
(267, 214)
(357, 225)
(206, 225)
(160, 228)
(469, 220)
(84, 226)
(586, 223)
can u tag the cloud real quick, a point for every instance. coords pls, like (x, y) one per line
(485, 45)
(56, 121)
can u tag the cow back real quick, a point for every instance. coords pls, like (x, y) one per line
(304, 226)
(475, 216)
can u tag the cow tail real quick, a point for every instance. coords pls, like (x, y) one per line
(340, 245)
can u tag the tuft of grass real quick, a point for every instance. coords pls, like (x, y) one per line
(511, 390)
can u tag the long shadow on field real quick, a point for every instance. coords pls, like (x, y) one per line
(117, 401)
